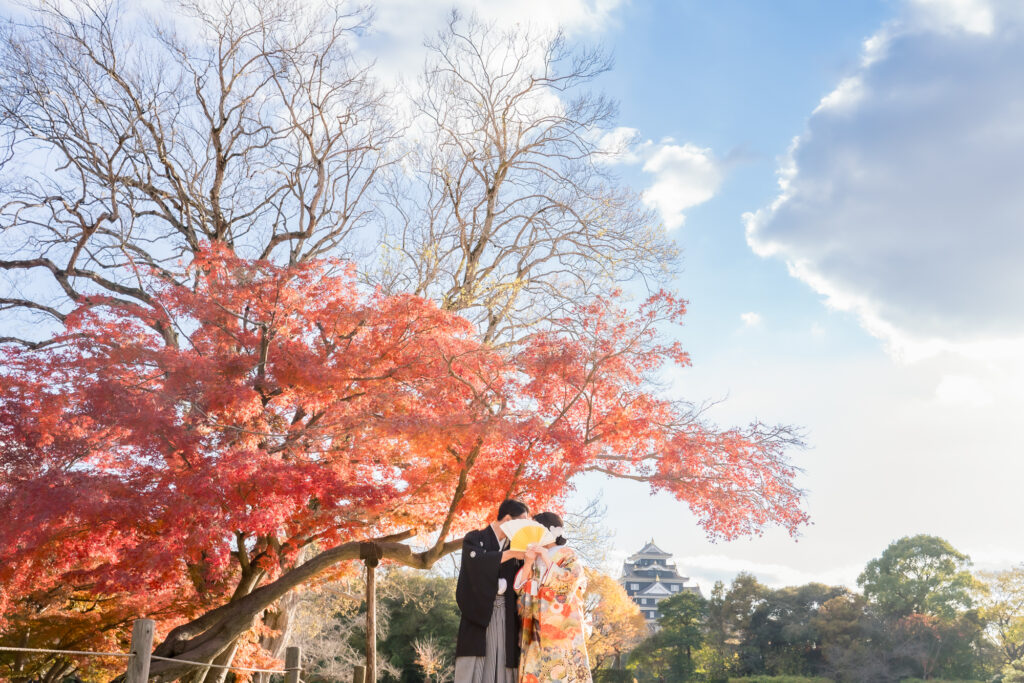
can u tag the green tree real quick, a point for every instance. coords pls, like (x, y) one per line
(1013, 672)
(784, 631)
(668, 655)
(924, 594)
(681, 620)
(652, 659)
(712, 664)
(932, 647)
(768, 631)
(420, 610)
(854, 640)
(728, 626)
(919, 575)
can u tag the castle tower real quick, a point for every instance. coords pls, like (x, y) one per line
(649, 576)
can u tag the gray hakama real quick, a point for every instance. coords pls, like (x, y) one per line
(491, 667)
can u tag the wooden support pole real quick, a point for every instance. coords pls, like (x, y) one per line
(371, 623)
(292, 664)
(141, 650)
(370, 553)
(359, 674)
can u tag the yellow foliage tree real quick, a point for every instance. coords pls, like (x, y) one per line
(616, 624)
(1002, 607)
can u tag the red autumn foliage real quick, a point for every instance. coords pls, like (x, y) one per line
(162, 461)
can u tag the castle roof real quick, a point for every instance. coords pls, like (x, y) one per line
(656, 588)
(651, 573)
(648, 572)
(651, 549)
(655, 566)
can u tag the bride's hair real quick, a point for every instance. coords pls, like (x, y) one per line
(553, 522)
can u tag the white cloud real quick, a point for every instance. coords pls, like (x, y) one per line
(705, 570)
(901, 201)
(417, 17)
(685, 176)
(620, 146)
(962, 390)
(751, 319)
(846, 95)
(575, 16)
(971, 16)
(400, 27)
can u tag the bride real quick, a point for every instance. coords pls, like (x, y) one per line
(550, 587)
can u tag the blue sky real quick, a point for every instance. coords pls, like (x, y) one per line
(739, 78)
(873, 297)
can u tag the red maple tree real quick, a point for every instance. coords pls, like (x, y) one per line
(176, 460)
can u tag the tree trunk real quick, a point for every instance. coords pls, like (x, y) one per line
(205, 637)
(279, 618)
(217, 674)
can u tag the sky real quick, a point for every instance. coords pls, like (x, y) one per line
(844, 180)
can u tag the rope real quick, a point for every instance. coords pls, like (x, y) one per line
(131, 654)
(224, 666)
(68, 652)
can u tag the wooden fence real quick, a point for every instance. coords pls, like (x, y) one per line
(140, 657)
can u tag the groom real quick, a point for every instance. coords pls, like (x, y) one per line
(487, 649)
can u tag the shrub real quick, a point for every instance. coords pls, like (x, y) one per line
(613, 676)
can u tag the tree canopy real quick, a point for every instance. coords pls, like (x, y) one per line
(919, 575)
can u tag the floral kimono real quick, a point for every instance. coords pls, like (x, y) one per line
(551, 607)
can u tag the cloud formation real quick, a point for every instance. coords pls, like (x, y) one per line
(400, 27)
(751, 319)
(902, 199)
(685, 175)
(705, 570)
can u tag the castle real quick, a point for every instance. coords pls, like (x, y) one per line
(649, 577)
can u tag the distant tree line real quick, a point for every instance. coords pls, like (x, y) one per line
(921, 614)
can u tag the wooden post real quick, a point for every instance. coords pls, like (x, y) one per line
(371, 554)
(371, 622)
(141, 649)
(292, 664)
(359, 674)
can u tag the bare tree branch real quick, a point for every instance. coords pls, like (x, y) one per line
(504, 211)
(128, 141)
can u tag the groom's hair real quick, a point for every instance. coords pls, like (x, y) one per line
(512, 508)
